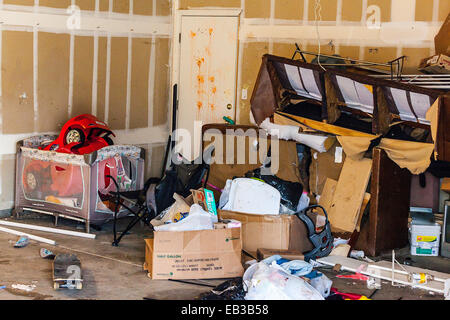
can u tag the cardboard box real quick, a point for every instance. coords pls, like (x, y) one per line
(436, 64)
(205, 254)
(326, 165)
(280, 232)
(264, 253)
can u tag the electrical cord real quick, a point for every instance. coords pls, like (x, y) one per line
(317, 18)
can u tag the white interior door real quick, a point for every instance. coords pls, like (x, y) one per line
(207, 78)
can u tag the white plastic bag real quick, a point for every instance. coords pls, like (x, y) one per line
(271, 282)
(253, 197)
(322, 284)
(198, 219)
(223, 200)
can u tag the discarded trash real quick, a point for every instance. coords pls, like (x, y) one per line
(179, 206)
(22, 242)
(345, 296)
(373, 283)
(289, 191)
(251, 196)
(198, 219)
(47, 254)
(303, 203)
(321, 240)
(67, 272)
(356, 276)
(229, 290)
(24, 287)
(295, 267)
(322, 284)
(355, 254)
(264, 282)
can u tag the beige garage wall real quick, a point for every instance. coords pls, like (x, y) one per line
(405, 27)
(115, 66)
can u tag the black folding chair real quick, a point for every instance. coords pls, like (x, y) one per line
(140, 203)
(157, 194)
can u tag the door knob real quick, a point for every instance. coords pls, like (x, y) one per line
(229, 106)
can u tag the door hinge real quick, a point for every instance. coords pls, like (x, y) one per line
(179, 37)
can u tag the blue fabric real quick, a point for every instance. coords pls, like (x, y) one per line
(282, 260)
(313, 274)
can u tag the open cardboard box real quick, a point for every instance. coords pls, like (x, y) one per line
(204, 254)
(278, 232)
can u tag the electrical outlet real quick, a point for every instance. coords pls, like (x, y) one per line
(244, 94)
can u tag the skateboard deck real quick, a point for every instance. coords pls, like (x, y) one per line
(67, 272)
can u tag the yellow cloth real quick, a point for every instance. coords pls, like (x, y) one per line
(415, 156)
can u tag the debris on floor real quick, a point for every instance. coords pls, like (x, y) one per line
(22, 242)
(24, 287)
(46, 254)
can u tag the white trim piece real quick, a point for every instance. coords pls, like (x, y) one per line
(35, 79)
(71, 74)
(214, 12)
(305, 11)
(435, 16)
(1, 92)
(30, 236)
(95, 76)
(89, 22)
(364, 12)
(151, 82)
(271, 22)
(129, 66)
(363, 35)
(46, 229)
(108, 75)
(339, 12)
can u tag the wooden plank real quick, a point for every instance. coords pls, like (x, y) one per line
(389, 208)
(326, 127)
(279, 119)
(326, 198)
(349, 194)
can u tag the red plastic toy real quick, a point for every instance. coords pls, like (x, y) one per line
(82, 135)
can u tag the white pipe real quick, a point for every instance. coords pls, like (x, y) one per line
(45, 229)
(30, 236)
(402, 272)
(286, 132)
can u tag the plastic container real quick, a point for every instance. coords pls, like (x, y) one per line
(303, 203)
(425, 239)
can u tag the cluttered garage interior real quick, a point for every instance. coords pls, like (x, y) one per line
(224, 150)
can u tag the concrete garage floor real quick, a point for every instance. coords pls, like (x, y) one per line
(117, 273)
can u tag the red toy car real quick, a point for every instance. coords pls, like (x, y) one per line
(82, 135)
